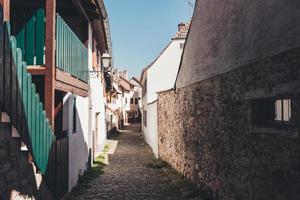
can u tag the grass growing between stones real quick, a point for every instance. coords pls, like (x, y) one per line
(188, 189)
(91, 174)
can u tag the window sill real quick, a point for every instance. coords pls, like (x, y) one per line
(265, 132)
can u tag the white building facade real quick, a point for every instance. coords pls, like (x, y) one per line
(84, 118)
(159, 76)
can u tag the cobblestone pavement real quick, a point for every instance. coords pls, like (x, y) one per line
(131, 174)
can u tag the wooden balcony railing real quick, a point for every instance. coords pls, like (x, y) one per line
(71, 54)
(20, 100)
(22, 103)
(31, 38)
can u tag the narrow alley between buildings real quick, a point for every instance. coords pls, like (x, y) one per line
(196, 100)
(134, 173)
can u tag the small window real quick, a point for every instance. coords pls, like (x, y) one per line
(131, 100)
(125, 100)
(136, 100)
(283, 110)
(272, 113)
(74, 116)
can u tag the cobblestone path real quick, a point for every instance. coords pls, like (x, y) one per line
(131, 174)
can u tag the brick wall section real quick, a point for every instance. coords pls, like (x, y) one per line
(17, 177)
(204, 134)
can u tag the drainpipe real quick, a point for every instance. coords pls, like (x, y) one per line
(90, 129)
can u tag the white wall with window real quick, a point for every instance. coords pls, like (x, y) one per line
(160, 76)
(84, 120)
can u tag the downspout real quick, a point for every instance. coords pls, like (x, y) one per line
(102, 8)
(90, 129)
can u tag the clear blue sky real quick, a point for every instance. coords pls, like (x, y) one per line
(140, 29)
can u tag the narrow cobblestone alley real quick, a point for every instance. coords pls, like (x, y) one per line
(134, 173)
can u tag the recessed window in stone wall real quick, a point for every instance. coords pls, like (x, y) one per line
(283, 110)
(275, 116)
(272, 112)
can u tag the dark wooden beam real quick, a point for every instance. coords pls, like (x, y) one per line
(67, 83)
(50, 61)
(61, 86)
(70, 80)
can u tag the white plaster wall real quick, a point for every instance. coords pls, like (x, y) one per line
(127, 95)
(78, 141)
(150, 131)
(143, 105)
(97, 104)
(81, 141)
(144, 128)
(151, 135)
(134, 93)
(162, 74)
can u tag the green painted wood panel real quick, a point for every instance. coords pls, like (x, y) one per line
(24, 88)
(36, 130)
(21, 41)
(71, 54)
(29, 104)
(40, 36)
(33, 121)
(40, 144)
(31, 37)
(30, 40)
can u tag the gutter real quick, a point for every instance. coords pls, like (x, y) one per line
(96, 14)
(102, 9)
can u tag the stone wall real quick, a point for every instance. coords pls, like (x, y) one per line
(17, 175)
(205, 132)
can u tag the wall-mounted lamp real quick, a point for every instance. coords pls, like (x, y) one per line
(106, 60)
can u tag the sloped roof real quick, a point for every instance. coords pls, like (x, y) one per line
(181, 34)
(124, 83)
(136, 80)
(146, 68)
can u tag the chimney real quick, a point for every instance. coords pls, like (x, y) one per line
(181, 26)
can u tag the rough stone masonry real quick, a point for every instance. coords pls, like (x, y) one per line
(17, 176)
(205, 133)
(238, 57)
